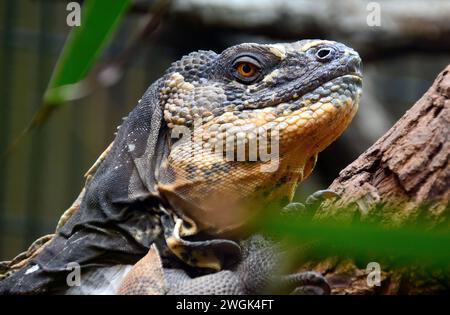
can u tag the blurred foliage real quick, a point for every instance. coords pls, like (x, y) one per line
(363, 241)
(83, 46)
(99, 20)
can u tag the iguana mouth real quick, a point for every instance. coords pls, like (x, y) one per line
(335, 91)
(316, 89)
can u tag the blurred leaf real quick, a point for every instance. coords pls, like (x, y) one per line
(84, 44)
(99, 19)
(365, 241)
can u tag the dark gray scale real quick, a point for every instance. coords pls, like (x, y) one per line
(193, 67)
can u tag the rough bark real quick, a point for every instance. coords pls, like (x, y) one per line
(407, 170)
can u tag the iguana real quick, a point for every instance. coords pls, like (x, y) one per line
(173, 193)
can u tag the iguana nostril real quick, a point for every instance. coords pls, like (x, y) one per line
(355, 65)
(324, 53)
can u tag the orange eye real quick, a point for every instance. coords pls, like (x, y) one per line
(246, 69)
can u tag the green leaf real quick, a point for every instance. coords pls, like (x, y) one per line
(403, 245)
(84, 44)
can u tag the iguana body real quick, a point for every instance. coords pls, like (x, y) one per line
(191, 196)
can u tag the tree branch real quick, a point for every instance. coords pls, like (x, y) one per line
(404, 178)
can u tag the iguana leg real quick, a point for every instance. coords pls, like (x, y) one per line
(229, 282)
(260, 271)
(148, 277)
(311, 204)
(255, 274)
(224, 282)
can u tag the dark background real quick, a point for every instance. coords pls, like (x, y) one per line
(42, 176)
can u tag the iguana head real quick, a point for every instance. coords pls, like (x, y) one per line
(248, 123)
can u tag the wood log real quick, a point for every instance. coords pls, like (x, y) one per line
(403, 179)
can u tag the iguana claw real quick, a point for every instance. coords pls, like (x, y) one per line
(321, 195)
(311, 204)
(296, 209)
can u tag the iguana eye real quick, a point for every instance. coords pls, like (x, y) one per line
(325, 54)
(246, 69)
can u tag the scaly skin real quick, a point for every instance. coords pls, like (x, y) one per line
(192, 196)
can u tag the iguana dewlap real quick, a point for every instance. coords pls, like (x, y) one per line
(215, 140)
